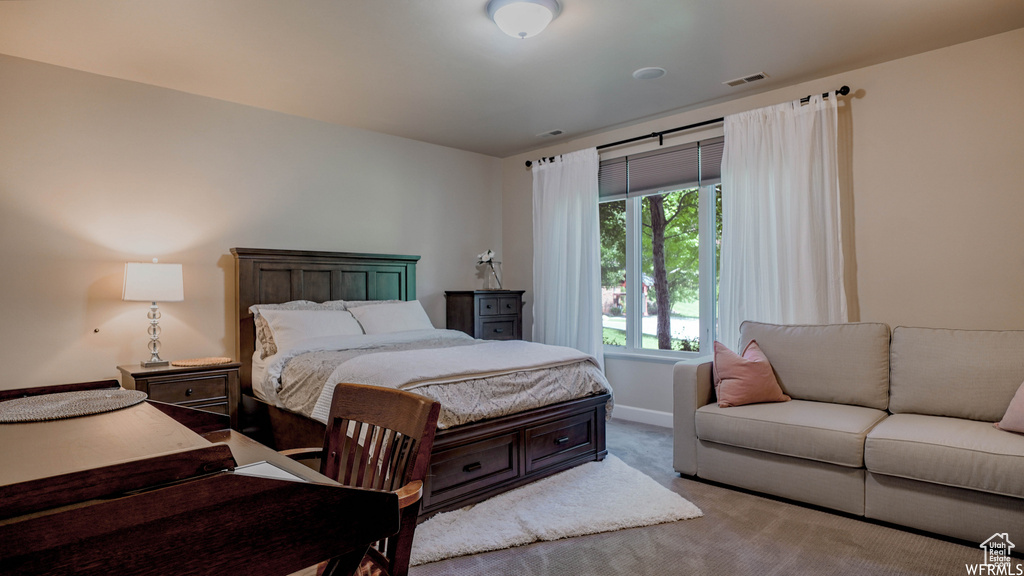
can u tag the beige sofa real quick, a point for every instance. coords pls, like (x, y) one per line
(895, 427)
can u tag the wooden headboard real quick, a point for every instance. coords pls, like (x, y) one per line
(275, 276)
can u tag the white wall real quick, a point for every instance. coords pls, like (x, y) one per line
(933, 196)
(95, 172)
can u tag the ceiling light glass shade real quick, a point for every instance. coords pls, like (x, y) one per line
(522, 18)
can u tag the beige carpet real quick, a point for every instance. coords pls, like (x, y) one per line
(589, 499)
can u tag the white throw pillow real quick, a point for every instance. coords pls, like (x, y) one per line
(392, 317)
(291, 327)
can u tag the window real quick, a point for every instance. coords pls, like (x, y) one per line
(660, 232)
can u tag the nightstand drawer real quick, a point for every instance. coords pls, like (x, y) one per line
(189, 391)
(489, 307)
(508, 305)
(218, 407)
(498, 329)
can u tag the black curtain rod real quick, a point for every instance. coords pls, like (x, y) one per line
(661, 135)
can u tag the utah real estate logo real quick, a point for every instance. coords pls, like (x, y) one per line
(997, 558)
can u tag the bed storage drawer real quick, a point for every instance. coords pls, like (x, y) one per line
(561, 440)
(470, 463)
(471, 467)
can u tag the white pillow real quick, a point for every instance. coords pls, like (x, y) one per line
(392, 317)
(290, 327)
(265, 344)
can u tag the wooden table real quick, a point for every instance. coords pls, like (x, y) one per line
(135, 491)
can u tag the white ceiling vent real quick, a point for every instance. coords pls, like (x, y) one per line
(746, 79)
(551, 133)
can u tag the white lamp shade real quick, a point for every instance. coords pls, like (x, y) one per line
(522, 18)
(146, 282)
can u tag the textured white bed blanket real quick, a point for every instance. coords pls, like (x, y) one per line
(410, 369)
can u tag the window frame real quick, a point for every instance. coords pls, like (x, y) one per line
(707, 268)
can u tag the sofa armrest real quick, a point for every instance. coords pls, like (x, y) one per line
(692, 388)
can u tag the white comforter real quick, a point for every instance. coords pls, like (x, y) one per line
(415, 368)
(473, 379)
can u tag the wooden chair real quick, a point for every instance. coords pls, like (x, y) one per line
(379, 438)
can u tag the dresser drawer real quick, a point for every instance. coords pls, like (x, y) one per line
(488, 306)
(508, 305)
(189, 391)
(559, 441)
(498, 329)
(218, 407)
(472, 467)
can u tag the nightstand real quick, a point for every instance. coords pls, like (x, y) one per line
(486, 314)
(211, 388)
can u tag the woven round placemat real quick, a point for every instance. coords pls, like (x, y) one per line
(68, 404)
(193, 362)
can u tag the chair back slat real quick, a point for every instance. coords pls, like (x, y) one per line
(379, 469)
(358, 468)
(402, 462)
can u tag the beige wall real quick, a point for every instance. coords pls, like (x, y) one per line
(95, 172)
(933, 187)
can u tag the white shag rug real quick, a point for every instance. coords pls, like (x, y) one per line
(588, 499)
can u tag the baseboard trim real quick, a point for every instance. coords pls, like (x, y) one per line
(642, 415)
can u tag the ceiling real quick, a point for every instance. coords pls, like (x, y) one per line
(440, 71)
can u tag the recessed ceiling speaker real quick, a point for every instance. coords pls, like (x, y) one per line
(649, 73)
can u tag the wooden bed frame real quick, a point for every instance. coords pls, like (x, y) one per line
(469, 463)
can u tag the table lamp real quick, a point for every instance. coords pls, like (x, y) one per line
(144, 282)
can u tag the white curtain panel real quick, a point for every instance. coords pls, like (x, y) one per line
(567, 253)
(781, 255)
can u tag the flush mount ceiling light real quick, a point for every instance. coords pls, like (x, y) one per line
(522, 18)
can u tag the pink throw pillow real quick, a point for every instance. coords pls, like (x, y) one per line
(746, 379)
(1013, 420)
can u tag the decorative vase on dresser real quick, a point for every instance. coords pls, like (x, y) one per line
(486, 314)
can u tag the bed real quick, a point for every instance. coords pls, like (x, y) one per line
(472, 458)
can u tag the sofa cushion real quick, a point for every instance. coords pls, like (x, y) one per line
(959, 373)
(841, 363)
(950, 451)
(832, 433)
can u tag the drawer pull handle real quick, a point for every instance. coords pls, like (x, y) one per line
(471, 467)
(489, 306)
(509, 306)
(188, 392)
(499, 330)
(561, 440)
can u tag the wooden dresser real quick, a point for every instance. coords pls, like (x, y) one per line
(486, 314)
